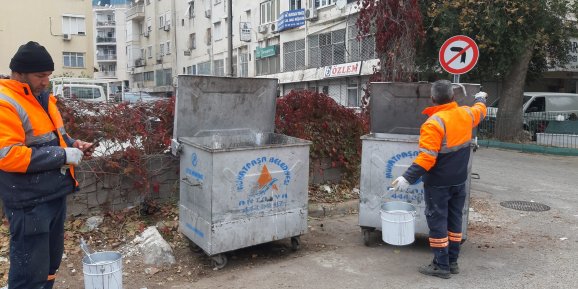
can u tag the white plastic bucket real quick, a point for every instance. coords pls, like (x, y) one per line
(397, 223)
(103, 270)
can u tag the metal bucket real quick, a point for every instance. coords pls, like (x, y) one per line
(397, 223)
(102, 270)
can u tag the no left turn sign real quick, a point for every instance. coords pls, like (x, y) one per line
(459, 54)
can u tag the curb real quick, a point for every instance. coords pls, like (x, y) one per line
(318, 210)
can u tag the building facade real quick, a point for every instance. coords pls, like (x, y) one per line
(306, 45)
(64, 27)
(110, 41)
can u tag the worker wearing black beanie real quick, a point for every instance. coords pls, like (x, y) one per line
(31, 57)
(37, 161)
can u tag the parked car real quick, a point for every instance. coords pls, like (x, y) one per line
(134, 97)
(539, 108)
(84, 92)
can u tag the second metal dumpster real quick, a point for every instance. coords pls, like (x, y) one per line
(241, 184)
(392, 146)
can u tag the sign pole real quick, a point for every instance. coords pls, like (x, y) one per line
(456, 78)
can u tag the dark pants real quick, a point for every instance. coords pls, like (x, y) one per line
(444, 210)
(36, 244)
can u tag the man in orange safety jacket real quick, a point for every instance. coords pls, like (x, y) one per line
(37, 160)
(444, 145)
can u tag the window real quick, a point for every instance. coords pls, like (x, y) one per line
(161, 49)
(359, 49)
(323, 3)
(73, 25)
(204, 68)
(149, 76)
(73, 59)
(161, 21)
(269, 11)
(218, 34)
(294, 4)
(168, 47)
(268, 65)
(327, 48)
(192, 41)
(352, 95)
(191, 9)
(192, 70)
(149, 24)
(294, 55)
(150, 51)
(164, 77)
(142, 53)
(219, 67)
(243, 64)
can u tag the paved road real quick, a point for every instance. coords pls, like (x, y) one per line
(506, 248)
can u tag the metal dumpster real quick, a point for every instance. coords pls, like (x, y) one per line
(240, 183)
(391, 147)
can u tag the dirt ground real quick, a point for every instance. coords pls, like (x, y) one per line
(191, 265)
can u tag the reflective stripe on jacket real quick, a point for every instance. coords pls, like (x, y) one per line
(31, 148)
(444, 144)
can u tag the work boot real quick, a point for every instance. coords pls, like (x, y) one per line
(433, 270)
(454, 268)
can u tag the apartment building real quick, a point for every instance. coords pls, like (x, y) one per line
(306, 45)
(110, 41)
(64, 27)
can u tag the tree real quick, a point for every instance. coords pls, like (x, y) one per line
(518, 41)
(397, 25)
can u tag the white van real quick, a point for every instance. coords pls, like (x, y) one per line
(84, 92)
(544, 105)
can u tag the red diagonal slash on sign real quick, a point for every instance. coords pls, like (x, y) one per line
(457, 55)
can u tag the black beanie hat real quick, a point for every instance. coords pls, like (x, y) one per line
(31, 57)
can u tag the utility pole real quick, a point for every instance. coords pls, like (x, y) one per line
(230, 36)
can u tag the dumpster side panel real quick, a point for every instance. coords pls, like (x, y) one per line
(259, 195)
(195, 202)
(385, 158)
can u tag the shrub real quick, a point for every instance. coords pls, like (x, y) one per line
(334, 129)
(133, 133)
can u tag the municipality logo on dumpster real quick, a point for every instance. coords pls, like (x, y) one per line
(264, 193)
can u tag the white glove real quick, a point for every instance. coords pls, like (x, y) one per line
(481, 94)
(400, 184)
(73, 156)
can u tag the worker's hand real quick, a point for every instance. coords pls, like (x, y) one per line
(86, 147)
(73, 156)
(482, 95)
(400, 184)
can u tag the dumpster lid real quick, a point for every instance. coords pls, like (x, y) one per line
(212, 104)
(396, 107)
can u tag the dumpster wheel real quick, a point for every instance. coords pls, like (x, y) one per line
(367, 235)
(194, 247)
(295, 243)
(219, 261)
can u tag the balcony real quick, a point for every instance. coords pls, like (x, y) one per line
(106, 57)
(101, 24)
(101, 40)
(105, 74)
(139, 62)
(135, 13)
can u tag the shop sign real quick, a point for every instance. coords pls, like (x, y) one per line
(291, 19)
(264, 52)
(245, 31)
(345, 69)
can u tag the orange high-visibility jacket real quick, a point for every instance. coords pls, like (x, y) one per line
(32, 139)
(444, 144)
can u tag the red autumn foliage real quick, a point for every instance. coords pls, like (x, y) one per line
(334, 129)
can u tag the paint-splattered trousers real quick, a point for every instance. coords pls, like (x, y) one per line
(36, 244)
(444, 210)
